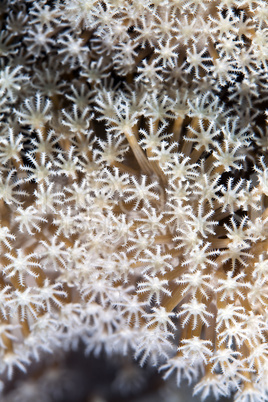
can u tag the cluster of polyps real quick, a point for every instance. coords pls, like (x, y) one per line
(133, 186)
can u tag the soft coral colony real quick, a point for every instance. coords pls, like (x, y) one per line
(134, 186)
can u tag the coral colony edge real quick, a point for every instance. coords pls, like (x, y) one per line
(134, 187)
